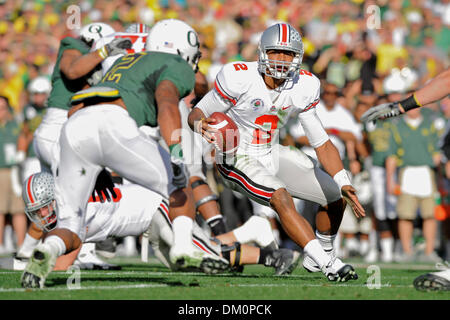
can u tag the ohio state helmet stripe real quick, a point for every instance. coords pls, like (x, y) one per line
(284, 32)
(29, 191)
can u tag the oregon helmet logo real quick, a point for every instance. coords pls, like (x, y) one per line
(96, 28)
(192, 39)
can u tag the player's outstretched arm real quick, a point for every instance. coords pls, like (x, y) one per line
(436, 89)
(75, 65)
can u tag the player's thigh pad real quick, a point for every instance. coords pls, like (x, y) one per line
(250, 177)
(303, 178)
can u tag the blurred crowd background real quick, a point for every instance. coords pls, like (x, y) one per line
(364, 52)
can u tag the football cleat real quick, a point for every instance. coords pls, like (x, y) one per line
(344, 274)
(208, 263)
(40, 265)
(214, 265)
(434, 281)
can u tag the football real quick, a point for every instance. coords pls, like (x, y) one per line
(227, 136)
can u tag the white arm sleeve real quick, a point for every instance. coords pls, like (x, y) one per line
(314, 130)
(211, 103)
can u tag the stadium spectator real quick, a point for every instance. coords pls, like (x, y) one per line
(10, 185)
(32, 114)
(415, 151)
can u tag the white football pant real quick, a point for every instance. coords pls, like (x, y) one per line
(284, 167)
(46, 137)
(105, 136)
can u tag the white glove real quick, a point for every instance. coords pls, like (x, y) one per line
(115, 47)
(381, 111)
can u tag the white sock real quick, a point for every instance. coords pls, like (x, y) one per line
(182, 230)
(56, 245)
(316, 252)
(387, 246)
(373, 239)
(245, 233)
(363, 247)
(28, 246)
(326, 241)
(351, 244)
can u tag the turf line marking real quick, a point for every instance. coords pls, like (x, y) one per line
(144, 286)
(134, 286)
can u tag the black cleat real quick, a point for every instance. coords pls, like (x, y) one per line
(214, 266)
(344, 274)
(435, 281)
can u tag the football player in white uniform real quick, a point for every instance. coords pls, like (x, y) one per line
(260, 97)
(128, 214)
(205, 199)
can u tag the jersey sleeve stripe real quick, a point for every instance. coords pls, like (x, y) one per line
(223, 94)
(311, 105)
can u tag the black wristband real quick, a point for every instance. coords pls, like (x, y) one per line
(410, 103)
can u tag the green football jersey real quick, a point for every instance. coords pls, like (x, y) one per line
(9, 133)
(62, 88)
(135, 78)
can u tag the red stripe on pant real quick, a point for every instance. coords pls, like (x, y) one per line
(247, 184)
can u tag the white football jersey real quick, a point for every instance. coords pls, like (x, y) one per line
(240, 92)
(138, 40)
(130, 213)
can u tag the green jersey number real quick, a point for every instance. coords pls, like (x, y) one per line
(126, 62)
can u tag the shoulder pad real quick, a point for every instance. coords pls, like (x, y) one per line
(234, 79)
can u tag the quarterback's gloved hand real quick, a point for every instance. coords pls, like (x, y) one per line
(179, 172)
(115, 47)
(381, 111)
(104, 187)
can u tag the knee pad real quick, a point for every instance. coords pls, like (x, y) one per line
(226, 253)
(208, 198)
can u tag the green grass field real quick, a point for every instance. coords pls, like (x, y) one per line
(152, 281)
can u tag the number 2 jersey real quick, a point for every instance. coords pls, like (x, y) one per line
(241, 93)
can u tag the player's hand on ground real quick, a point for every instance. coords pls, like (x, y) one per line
(104, 187)
(349, 194)
(203, 127)
(382, 111)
